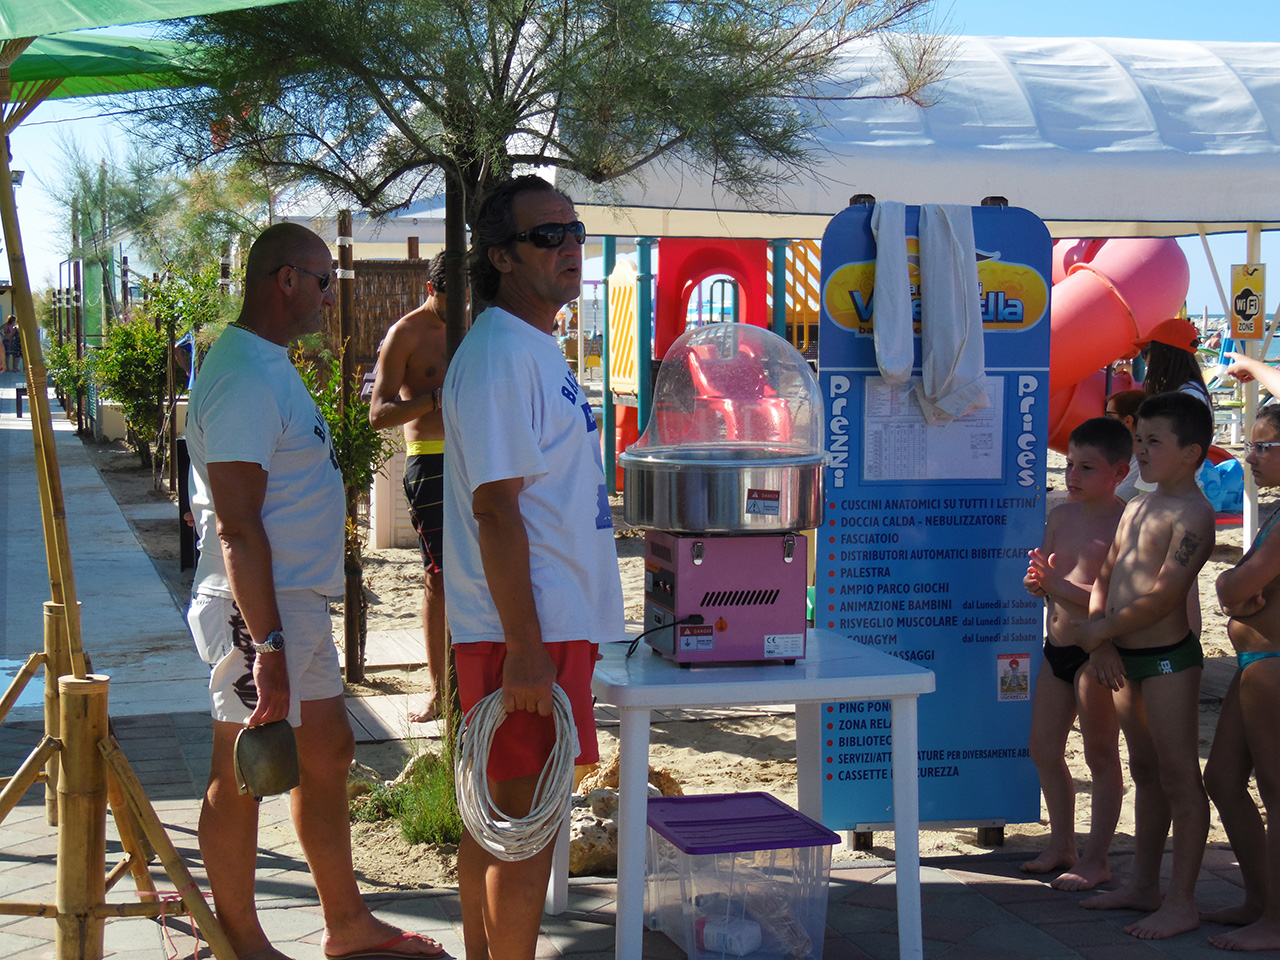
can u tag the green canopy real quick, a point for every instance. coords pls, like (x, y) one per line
(89, 64)
(41, 17)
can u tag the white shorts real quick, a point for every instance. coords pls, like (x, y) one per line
(223, 642)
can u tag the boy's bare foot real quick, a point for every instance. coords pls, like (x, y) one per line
(430, 711)
(1235, 916)
(1125, 898)
(1169, 921)
(1083, 877)
(1262, 935)
(1050, 861)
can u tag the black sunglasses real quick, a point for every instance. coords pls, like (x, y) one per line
(324, 278)
(549, 235)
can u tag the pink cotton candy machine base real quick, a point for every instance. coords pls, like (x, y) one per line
(749, 593)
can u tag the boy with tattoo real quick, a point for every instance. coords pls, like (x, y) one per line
(1138, 632)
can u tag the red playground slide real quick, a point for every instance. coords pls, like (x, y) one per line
(1107, 295)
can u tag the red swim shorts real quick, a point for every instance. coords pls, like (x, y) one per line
(523, 742)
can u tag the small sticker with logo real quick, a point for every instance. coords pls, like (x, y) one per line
(763, 503)
(784, 646)
(696, 637)
(1165, 666)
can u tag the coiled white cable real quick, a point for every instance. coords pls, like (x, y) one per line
(522, 837)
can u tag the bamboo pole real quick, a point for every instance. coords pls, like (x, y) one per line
(28, 909)
(62, 588)
(20, 681)
(57, 663)
(177, 871)
(27, 774)
(136, 857)
(82, 818)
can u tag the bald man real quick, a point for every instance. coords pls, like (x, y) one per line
(268, 500)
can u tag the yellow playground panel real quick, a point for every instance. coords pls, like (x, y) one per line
(623, 281)
(803, 282)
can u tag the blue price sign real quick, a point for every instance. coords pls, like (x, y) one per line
(928, 528)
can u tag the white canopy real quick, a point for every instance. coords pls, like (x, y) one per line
(1098, 137)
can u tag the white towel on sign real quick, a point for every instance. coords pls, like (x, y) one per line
(895, 347)
(953, 359)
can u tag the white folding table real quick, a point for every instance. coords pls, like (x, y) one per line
(835, 670)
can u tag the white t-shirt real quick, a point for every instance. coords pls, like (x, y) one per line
(249, 404)
(512, 408)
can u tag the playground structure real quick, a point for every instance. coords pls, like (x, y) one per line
(1107, 296)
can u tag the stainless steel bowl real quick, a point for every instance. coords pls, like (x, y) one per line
(722, 489)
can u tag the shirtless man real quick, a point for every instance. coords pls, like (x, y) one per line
(1247, 740)
(1139, 633)
(406, 391)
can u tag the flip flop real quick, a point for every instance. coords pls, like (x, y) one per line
(391, 950)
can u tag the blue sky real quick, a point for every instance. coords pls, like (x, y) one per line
(35, 142)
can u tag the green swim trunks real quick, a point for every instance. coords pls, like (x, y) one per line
(1154, 661)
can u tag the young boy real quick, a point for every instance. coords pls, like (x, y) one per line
(1077, 536)
(1139, 632)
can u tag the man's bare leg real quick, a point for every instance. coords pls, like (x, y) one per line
(1100, 731)
(1151, 813)
(433, 626)
(1226, 777)
(1052, 711)
(1174, 723)
(506, 897)
(320, 816)
(1261, 709)
(228, 834)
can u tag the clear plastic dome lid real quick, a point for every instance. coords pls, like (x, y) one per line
(735, 388)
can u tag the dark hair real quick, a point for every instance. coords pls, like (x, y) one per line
(1127, 402)
(436, 274)
(495, 226)
(1271, 414)
(1190, 420)
(1108, 436)
(1168, 368)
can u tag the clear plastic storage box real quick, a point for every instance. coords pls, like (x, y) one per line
(738, 875)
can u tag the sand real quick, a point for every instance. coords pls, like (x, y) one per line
(747, 752)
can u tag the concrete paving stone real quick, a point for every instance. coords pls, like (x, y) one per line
(966, 951)
(967, 905)
(848, 919)
(29, 948)
(286, 923)
(1065, 910)
(945, 929)
(575, 937)
(1218, 856)
(838, 948)
(1029, 941)
(132, 933)
(1133, 950)
(860, 874)
(884, 946)
(38, 928)
(1084, 932)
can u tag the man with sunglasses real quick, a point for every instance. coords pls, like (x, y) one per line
(269, 506)
(406, 392)
(531, 569)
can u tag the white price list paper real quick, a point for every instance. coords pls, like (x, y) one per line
(899, 445)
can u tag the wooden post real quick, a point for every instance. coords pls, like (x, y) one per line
(77, 306)
(413, 249)
(82, 818)
(57, 664)
(353, 588)
(124, 285)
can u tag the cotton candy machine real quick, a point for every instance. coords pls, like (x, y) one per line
(727, 473)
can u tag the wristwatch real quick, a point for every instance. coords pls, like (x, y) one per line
(273, 644)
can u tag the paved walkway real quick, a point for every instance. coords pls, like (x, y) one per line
(974, 907)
